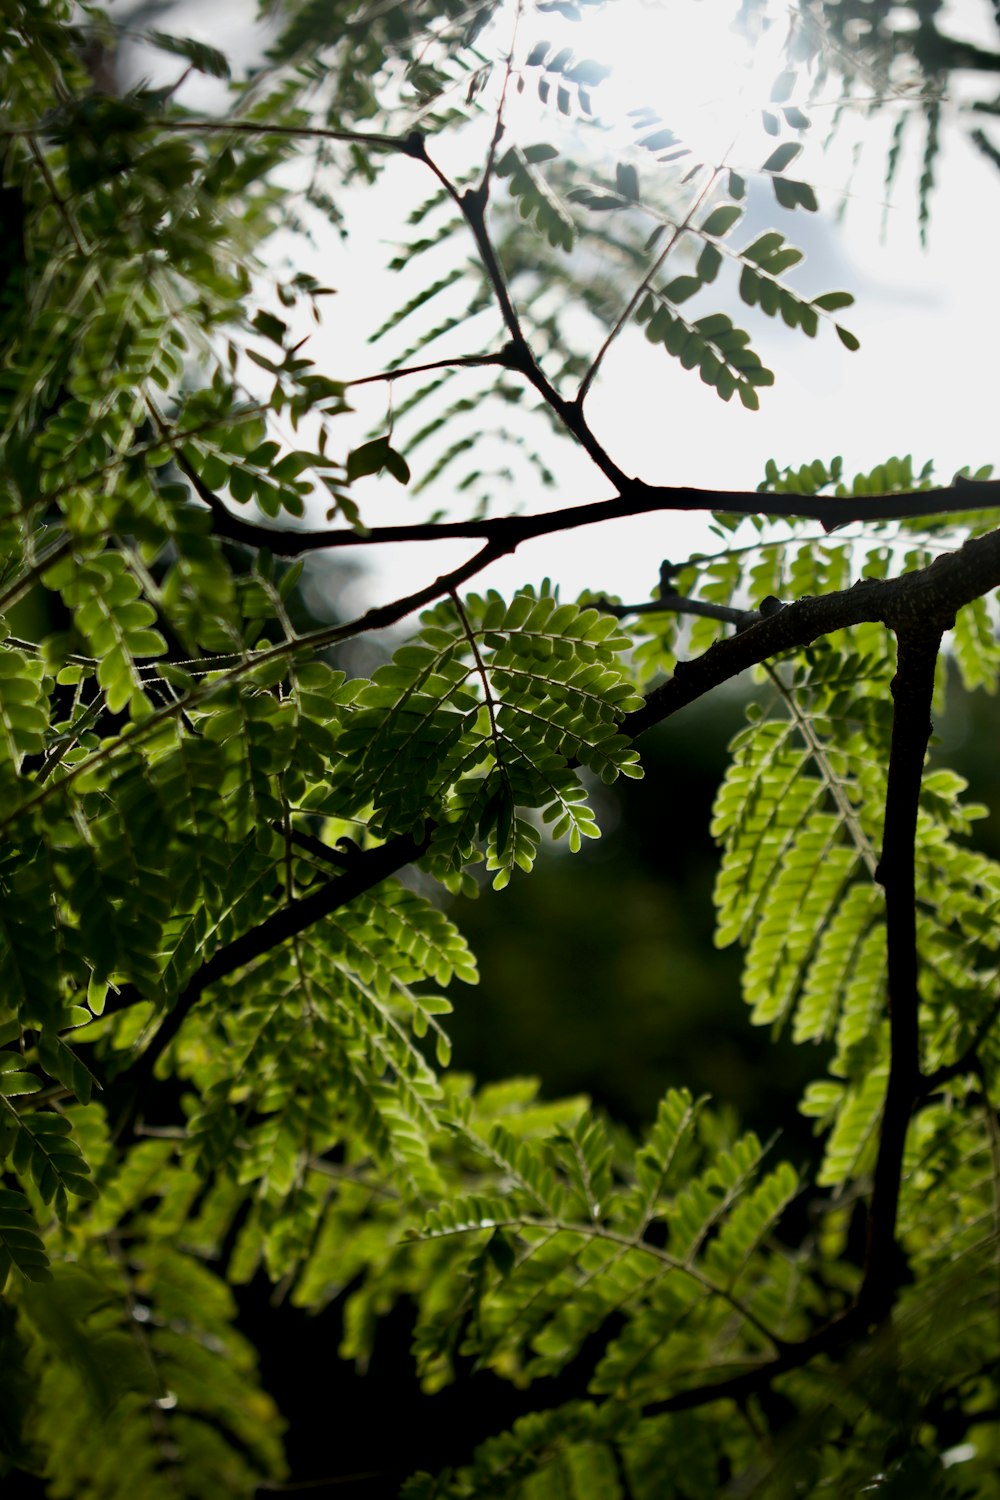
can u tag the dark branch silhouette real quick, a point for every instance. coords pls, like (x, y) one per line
(912, 691)
(636, 499)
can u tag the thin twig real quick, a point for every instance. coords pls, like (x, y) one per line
(460, 362)
(498, 128)
(56, 752)
(371, 138)
(679, 604)
(25, 582)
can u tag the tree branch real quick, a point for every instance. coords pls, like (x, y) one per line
(636, 499)
(472, 206)
(460, 361)
(912, 691)
(928, 594)
(679, 604)
(933, 593)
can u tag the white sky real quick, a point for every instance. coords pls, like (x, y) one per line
(924, 381)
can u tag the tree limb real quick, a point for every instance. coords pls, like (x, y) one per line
(912, 691)
(933, 593)
(636, 498)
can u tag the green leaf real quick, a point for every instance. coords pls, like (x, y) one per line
(659, 140)
(374, 456)
(537, 153)
(792, 194)
(13, 1081)
(794, 118)
(782, 156)
(681, 288)
(709, 263)
(501, 1252)
(750, 286)
(783, 86)
(199, 54)
(270, 327)
(722, 219)
(21, 1246)
(627, 181)
(833, 301)
(397, 466)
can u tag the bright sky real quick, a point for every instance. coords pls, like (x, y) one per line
(923, 382)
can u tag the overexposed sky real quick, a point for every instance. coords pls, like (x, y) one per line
(924, 381)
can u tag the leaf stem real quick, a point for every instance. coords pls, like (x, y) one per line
(644, 286)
